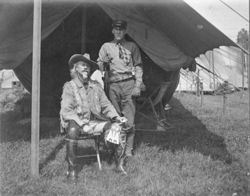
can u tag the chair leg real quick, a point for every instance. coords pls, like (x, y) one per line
(153, 109)
(97, 146)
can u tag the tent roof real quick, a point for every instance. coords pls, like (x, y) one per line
(190, 31)
(169, 33)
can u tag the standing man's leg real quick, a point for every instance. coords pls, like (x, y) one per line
(120, 96)
(115, 96)
(128, 110)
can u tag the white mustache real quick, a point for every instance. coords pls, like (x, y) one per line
(84, 70)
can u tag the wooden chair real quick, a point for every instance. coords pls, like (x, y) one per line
(93, 137)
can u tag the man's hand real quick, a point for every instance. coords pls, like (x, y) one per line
(136, 92)
(87, 128)
(121, 119)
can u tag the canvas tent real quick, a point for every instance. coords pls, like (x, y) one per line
(169, 35)
(222, 64)
(229, 63)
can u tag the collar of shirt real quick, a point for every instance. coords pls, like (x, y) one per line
(79, 84)
(119, 41)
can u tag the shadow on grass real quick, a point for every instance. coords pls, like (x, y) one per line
(52, 155)
(15, 127)
(15, 118)
(189, 133)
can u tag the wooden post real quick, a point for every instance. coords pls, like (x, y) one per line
(35, 110)
(198, 83)
(201, 92)
(243, 69)
(83, 34)
(224, 102)
(213, 69)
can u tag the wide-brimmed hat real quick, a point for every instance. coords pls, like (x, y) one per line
(85, 58)
(121, 24)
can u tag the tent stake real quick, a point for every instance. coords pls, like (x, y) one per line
(35, 110)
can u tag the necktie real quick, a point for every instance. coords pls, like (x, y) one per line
(123, 54)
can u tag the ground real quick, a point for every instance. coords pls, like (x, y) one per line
(206, 152)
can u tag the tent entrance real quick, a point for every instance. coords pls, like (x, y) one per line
(65, 41)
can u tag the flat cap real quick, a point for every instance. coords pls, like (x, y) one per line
(121, 24)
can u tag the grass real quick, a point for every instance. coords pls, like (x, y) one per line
(207, 153)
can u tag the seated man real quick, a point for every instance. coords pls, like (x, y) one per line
(84, 108)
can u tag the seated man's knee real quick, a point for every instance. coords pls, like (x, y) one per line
(73, 131)
(107, 126)
(128, 127)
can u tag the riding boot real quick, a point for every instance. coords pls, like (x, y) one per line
(71, 158)
(130, 142)
(120, 152)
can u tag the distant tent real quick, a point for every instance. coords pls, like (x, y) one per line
(229, 63)
(170, 35)
(222, 64)
(8, 79)
(187, 81)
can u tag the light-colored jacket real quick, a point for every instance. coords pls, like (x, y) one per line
(83, 105)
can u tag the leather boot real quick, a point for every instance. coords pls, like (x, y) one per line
(120, 153)
(130, 143)
(71, 150)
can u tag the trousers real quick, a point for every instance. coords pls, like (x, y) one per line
(120, 94)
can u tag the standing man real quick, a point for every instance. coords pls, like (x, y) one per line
(125, 75)
(84, 108)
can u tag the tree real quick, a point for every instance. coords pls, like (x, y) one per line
(242, 38)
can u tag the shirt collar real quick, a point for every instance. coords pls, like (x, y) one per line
(79, 84)
(119, 42)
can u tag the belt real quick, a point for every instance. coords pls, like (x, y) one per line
(123, 80)
(121, 77)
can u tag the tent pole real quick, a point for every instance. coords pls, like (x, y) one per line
(248, 63)
(83, 34)
(35, 107)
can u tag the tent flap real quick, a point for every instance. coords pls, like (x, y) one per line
(16, 43)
